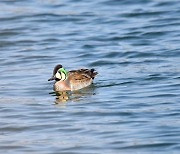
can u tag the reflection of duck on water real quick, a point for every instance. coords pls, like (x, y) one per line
(75, 96)
(72, 80)
(61, 97)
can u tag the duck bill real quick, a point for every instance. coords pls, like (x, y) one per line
(52, 78)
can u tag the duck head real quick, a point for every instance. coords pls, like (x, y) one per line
(59, 73)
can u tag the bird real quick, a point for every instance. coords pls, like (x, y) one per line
(72, 80)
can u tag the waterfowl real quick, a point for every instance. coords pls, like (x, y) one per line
(72, 80)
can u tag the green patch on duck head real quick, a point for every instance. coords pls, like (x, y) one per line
(63, 73)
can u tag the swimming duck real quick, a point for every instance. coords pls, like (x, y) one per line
(72, 80)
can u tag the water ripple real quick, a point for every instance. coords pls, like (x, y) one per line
(133, 105)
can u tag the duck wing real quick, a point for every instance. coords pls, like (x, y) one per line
(81, 78)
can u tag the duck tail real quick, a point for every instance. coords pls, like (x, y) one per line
(93, 73)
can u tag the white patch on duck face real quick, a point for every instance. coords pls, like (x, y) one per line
(58, 75)
(63, 76)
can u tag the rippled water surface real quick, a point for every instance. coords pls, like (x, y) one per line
(133, 105)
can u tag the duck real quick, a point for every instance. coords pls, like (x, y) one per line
(72, 80)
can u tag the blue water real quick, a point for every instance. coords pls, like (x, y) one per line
(133, 105)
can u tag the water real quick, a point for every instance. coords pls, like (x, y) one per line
(133, 106)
